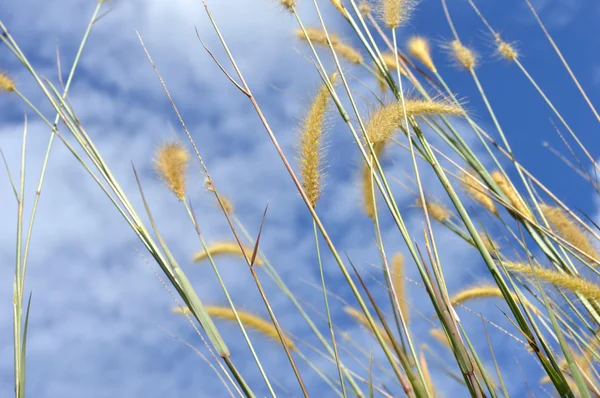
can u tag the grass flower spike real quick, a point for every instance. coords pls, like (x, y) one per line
(171, 162)
(475, 190)
(507, 50)
(6, 83)
(223, 248)
(396, 12)
(436, 211)
(288, 4)
(311, 144)
(418, 47)
(463, 56)
(343, 50)
(398, 281)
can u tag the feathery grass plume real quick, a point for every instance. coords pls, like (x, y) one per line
(364, 8)
(6, 83)
(510, 193)
(171, 162)
(486, 291)
(389, 59)
(426, 374)
(248, 319)
(463, 56)
(368, 199)
(437, 211)
(221, 248)
(362, 319)
(338, 5)
(318, 36)
(572, 283)
(288, 4)
(396, 12)
(311, 144)
(567, 228)
(418, 47)
(489, 244)
(507, 50)
(473, 187)
(399, 286)
(227, 206)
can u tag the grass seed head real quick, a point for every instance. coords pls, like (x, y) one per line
(318, 36)
(437, 211)
(396, 12)
(419, 48)
(338, 5)
(288, 4)
(567, 228)
(399, 286)
(486, 291)
(171, 162)
(364, 8)
(311, 144)
(6, 83)
(507, 50)
(222, 248)
(510, 192)
(464, 56)
(476, 191)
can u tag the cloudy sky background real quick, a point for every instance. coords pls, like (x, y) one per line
(98, 310)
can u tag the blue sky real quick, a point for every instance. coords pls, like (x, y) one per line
(98, 310)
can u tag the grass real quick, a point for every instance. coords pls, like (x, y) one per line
(545, 270)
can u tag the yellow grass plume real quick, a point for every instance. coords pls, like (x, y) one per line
(489, 244)
(364, 8)
(359, 317)
(474, 189)
(573, 283)
(395, 12)
(368, 180)
(288, 4)
(437, 211)
(171, 162)
(399, 285)
(440, 336)
(486, 291)
(221, 248)
(507, 50)
(338, 5)
(510, 192)
(311, 144)
(566, 227)
(463, 56)
(248, 319)
(345, 51)
(418, 47)
(6, 83)
(426, 374)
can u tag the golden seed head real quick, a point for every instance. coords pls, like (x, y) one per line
(360, 318)
(573, 283)
(6, 83)
(248, 319)
(318, 36)
(364, 8)
(227, 206)
(475, 189)
(507, 50)
(567, 228)
(511, 193)
(437, 211)
(288, 4)
(171, 162)
(489, 244)
(311, 144)
(486, 291)
(418, 47)
(368, 192)
(338, 5)
(396, 12)
(464, 56)
(398, 281)
(389, 59)
(222, 248)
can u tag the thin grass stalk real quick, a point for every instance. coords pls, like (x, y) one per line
(228, 297)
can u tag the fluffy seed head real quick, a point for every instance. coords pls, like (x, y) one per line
(507, 50)
(6, 83)
(221, 248)
(396, 12)
(364, 8)
(398, 281)
(464, 56)
(476, 191)
(489, 244)
(318, 36)
(338, 5)
(437, 211)
(288, 4)
(248, 319)
(311, 144)
(389, 59)
(508, 190)
(573, 283)
(567, 228)
(418, 47)
(426, 374)
(171, 162)
(486, 291)
(368, 179)
(362, 319)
